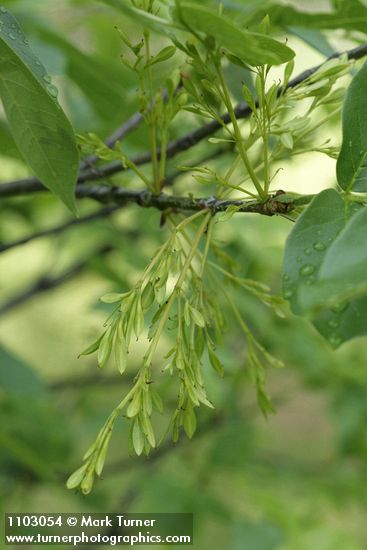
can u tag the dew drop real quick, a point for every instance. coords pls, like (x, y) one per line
(339, 308)
(3, 10)
(333, 323)
(307, 251)
(25, 41)
(52, 90)
(319, 246)
(13, 26)
(11, 36)
(38, 63)
(335, 340)
(47, 78)
(309, 282)
(288, 293)
(307, 269)
(299, 258)
(286, 277)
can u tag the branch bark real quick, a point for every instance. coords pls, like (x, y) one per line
(163, 201)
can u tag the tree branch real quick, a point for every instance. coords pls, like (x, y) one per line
(46, 283)
(101, 213)
(121, 196)
(242, 110)
(146, 199)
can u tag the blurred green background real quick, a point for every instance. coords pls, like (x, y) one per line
(296, 481)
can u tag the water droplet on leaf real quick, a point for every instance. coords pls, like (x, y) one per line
(307, 269)
(47, 78)
(335, 340)
(333, 323)
(11, 36)
(52, 90)
(319, 246)
(3, 10)
(339, 308)
(307, 251)
(288, 293)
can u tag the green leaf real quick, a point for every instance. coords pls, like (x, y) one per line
(163, 55)
(137, 438)
(351, 14)
(111, 298)
(92, 347)
(324, 267)
(189, 420)
(105, 347)
(197, 317)
(102, 454)
(338, 300)
(252, 48)
(39, 127)
(215, 362)
(76, 477)
(135, 405)
(351, 166)
(147, 20)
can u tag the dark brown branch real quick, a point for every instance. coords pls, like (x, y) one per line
(146, 199)
(46, 283)
(101, 213)
(31, 185)
(121, 196)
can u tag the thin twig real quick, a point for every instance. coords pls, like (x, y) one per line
(101, 213)
(121, 132)
(46, 283)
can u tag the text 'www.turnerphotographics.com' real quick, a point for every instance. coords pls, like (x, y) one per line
(98, 529)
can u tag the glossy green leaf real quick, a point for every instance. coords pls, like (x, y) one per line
(147, 20)
(8, 147)
(341, 286)
(40, 128)
(252, 48)
(351, 166)
(310, 259)
(163, 55)
(351, 14)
